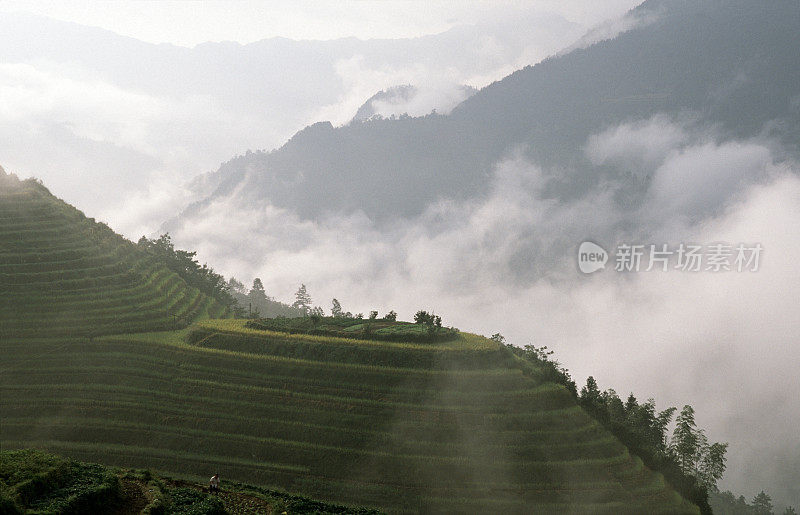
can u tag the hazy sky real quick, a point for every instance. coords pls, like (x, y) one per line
(188, 23)
(681, 337)
(121, 143)
(136, 134)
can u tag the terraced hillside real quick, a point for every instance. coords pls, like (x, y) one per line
(39, 483)
(64, 274)
(450, 427)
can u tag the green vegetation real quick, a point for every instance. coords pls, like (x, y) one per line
(64, 274)
(725, 503)
(33, 481)
(184, 264)
(687, 460)
(369, 329)
(459, 426)
(256, 303)
(350, 410)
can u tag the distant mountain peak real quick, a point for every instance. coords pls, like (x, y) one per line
(410, 100)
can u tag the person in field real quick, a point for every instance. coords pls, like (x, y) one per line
(213, 484)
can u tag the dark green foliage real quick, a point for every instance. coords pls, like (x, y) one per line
(336, 309)
(302, 300)
(8, 506)
(188, 501)
(185, 265)
(432, 322)
(357, 328)
(762, 504)
(94, 489)
(35, 481)
(689, 463)
(548, 368)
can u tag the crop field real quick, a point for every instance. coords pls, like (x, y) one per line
(64, 274)
(377, 329)
(110, 357)
(447, 427)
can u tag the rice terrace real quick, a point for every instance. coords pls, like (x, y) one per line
(461, 424)
(565, 231)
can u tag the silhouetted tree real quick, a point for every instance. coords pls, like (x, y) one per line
(762, 504)
(235, 286)
(590, 398)
(712, 464)
(336, 309)
(302, 299)
(685, 440)
(257, 293)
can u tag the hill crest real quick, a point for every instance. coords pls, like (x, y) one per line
(63, 274)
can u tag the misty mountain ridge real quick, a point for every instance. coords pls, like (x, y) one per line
(722, 64)
(407, 100)
(130, 123)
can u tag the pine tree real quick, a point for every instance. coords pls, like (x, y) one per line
(590, 392)
(631, 405)
(591, 399)
(762, 504)
(257, 293)
(302, 300)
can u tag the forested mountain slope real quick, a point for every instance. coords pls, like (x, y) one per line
(730, 64)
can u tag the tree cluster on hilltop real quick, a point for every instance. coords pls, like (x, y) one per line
(184, 264)
(691, 464)
(255, 302)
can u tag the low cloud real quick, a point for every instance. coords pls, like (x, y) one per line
(613, 27)
(100, 133)
(724, 342)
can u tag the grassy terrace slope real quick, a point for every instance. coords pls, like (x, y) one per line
(447, 427)
(39, 483)
(64, 274)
